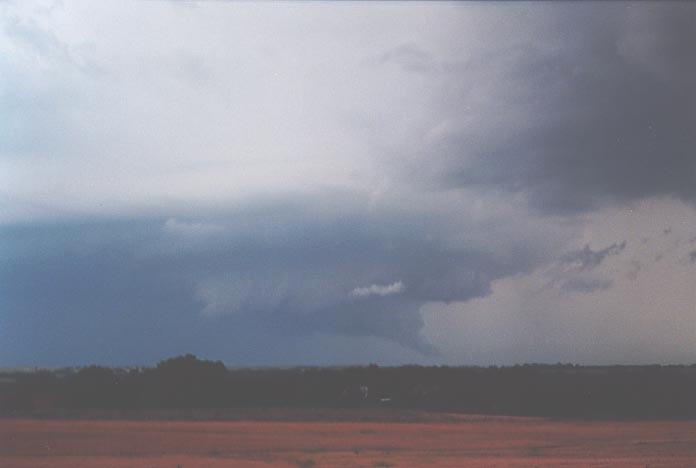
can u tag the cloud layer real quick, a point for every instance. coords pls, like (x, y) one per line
(347, 182)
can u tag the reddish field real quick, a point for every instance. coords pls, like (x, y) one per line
(460, 441)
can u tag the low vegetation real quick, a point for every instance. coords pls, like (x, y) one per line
(185, 382)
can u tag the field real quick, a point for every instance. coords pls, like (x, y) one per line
(453, 441)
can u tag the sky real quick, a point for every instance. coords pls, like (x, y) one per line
(333, 183)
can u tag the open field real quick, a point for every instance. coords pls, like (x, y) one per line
(454, 442)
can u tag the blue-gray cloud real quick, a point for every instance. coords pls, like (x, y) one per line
(276, 268)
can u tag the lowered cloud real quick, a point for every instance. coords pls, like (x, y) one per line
(274, 268)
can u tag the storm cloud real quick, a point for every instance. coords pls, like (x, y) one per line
(345, 182)
(573, 117)
(279, 267)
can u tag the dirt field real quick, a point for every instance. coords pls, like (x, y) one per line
(461, 441)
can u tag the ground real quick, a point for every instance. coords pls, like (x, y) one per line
(454, 441)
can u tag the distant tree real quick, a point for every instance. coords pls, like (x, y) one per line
(186, 381)
(93, 387)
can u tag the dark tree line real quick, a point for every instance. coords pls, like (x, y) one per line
(540, 390)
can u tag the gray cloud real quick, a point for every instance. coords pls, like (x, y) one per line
(587, 259)
(577, 271)
(585, 284)
(628, 309)
(605, 115)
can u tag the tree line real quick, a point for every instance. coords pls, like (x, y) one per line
(186, 382)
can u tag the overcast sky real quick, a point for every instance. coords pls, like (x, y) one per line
(336, 182)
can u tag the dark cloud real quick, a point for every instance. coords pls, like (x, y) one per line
(159, 285)
(606, 113)
(576, 271)
(587, 259)
(585, 284)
